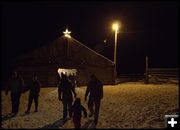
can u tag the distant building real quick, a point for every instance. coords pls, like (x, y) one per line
(65, 53)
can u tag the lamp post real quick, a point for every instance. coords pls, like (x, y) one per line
(115, 27)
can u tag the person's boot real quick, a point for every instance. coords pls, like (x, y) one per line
(91, 114)
(14, 113)
(27, 112)
(95, 120)
(36, 110)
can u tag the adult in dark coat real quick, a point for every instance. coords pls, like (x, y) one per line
(16, 87)
(72, 80)
(65, 90)
(34, 88)
(95, 92)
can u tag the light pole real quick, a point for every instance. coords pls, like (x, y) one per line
(115, 27)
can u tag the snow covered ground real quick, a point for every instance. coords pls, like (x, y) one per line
(127, 105)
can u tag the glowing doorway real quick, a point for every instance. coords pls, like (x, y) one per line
(67, 71)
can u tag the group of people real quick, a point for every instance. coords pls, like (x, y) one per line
(66, 93)
(17, 87)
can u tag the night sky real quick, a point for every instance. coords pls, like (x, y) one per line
(148, 28)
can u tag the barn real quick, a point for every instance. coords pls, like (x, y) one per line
(65, 54)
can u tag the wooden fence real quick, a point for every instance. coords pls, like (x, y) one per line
(129, 78)
(163, 75)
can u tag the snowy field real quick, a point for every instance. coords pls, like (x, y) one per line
(127, 105)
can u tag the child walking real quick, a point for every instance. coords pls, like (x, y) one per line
(77, 108)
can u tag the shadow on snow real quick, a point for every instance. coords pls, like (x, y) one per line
(55, 125)
(7, 117)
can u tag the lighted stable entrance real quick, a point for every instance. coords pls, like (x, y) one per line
(67, 71)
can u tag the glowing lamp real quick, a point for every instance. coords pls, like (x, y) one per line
(115, 26)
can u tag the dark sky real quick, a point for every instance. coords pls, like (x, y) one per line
(148, 28)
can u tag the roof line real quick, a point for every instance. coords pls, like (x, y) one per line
(93, 50)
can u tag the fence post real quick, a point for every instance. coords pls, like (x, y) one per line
(146, 73)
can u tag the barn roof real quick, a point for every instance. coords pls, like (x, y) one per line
(63, 51)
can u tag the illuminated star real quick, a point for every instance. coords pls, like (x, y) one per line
(67, 33)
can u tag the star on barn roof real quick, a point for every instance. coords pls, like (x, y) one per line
(67, 33)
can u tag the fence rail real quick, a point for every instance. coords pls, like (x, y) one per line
(155, 75)
(163, 75)
(129, 78)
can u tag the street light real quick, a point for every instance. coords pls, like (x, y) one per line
(115, 27)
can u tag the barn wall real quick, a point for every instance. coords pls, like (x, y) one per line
(102, 73)
(45, 61)
(106, 75)
(84, 55)
(81, 77)
(48, 76)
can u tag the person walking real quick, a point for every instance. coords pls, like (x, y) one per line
(16, 87)
(77, 109)
(65, 90)
(72, 79)
(95, 92)
(34, 88)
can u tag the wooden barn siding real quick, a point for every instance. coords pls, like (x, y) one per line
(103, 74)
(48, 75)
(45, 61)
